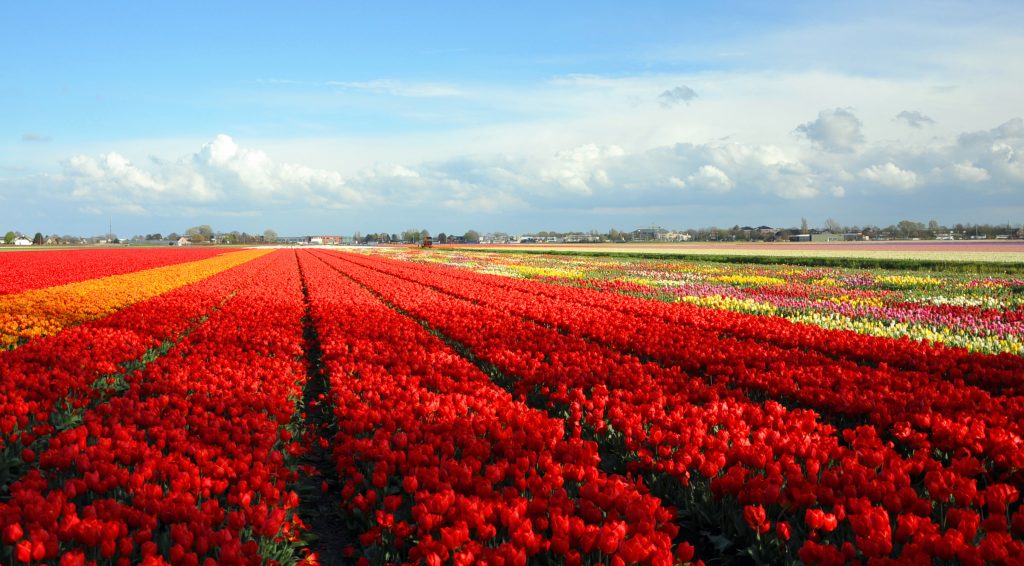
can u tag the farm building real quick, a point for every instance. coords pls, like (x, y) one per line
(324, 240)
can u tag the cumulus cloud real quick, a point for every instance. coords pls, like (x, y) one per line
(890, 175)
(969, 173)
(220, 173)
(914, 119)
(711, 178)
(836, 130)
(999, 151)
(34, 137)
(681, 94)
(581, 169)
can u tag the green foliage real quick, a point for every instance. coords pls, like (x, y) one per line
(201, 233)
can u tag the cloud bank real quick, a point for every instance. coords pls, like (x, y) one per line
(843, 170)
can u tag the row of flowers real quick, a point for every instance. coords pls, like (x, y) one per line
(48, 382)
(932, 407)
(797, 486)
(984, 314)
(188, 463)
(440, 465)
(998, 373)
(42, 312)
(38, 269)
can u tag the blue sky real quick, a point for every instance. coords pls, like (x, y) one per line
(330, 117)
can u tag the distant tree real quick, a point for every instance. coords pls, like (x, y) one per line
(38, 239)
(9, 237)
(832, 226)
(394, 238)
(472, 236)
(269, 236)
(154, 236)
(411, 236)
(803, 225)
(357, 237)
(442, 238)
(173, 236)
(909, 228)
(202, 233)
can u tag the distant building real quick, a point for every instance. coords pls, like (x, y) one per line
(827, 237)
(651, 234)
(493, 238)
(324, 240)
(579, 238)
(22, 241)
(183, 241)
(800, 238)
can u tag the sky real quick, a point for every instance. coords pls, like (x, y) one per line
(337, 117)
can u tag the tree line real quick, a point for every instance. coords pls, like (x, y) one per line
(414, 235)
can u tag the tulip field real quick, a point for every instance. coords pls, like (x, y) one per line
(328, 406)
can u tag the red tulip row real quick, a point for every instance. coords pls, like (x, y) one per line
(920, 409)
(998, 374)
(48, 382)
(187, 464)
(801, 488)
(440, 465)
(38, 269)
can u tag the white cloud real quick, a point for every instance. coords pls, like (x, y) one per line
(676, 182)
(890, 175)
(580, 170)
(221, 173)
(711, 178)
(108, 177)
(836, 130)
(999, 151)
(969, 173)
